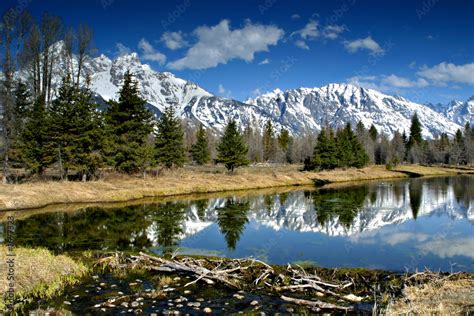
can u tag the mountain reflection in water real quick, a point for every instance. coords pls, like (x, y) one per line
(395, 225)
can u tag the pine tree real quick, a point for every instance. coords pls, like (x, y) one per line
(269, 148)
(373, 133)
(200, 150)
(23, 106)
(36, 152)
(129, 124)
(350, 152)
(232, 151)
(415, 131)
(169, 143)
(324, 156)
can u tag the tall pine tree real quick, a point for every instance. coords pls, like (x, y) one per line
(200, 149)
(269, 142)
(232, 151)
(169, 143)
(129, 123)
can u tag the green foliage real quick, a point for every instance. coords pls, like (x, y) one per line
(415, 132)
(36, 151)
(284, 139)
(232, 151)
(269, 142)
(129, 124)
(373, 133)
(76, 130)
(200, 150)
(331, 152)
(23, 107)
(169, 143)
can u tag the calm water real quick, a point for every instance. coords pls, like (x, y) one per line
(396, 225)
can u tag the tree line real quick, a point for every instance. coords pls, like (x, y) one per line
(62, 128)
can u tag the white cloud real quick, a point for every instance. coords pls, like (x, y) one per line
(223, 91)
(364, 43)
(174, 40)
(412, 65)
(401, 82)
(149, 53)
(264, 62)
(312, 31)
(219, 44)
(447, 248)
(333, 31)
(122, 49)
(295, 16)
(448, 72)
(301, 44)
(391, 83)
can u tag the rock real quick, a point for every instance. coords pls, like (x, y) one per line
(153, 314)
(139, 281)
(187, 292)
(290, 310)
(178, 300)
(207, 310)
(96, 305)
(200, 300)
(238, 296)
(253, 303)
(76, 296)
(179, 305)
(67, 302)
(135, 304)
(139, 299)
(95, 277)
(120, 293)
(124, 304)
(177, 279)
(133, 284)
(102, 284)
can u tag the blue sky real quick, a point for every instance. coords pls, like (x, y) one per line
(422, 50)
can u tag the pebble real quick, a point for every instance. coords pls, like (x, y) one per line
(135, 304)
(153, 314)
(139, 281)
(139, 299)
(95, 277)
(120, 293)
(102, 284)
(177, 279)
(133, 284)
(238, 296)
(96, 305)
(124, 304)
(290, 310)
(207, 310)
(253, 303)
(179, 305)
(200, 300)
(178, 300)
(67, 302)
(76, 296)
(187, 292)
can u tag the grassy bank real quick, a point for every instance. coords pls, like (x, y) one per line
(38, 274)
(192, 180)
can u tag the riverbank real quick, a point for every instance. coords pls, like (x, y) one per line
(194, 180)
(143, 284)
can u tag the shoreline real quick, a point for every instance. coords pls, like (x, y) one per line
(116, 188)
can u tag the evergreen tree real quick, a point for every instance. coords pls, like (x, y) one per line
(129, 124)
(350, 152)
(232, 219)
(284, 141)
(36, 152)
(169, 142)
(324, 155)
(23, 107)
(415, 131)
(232, 151)
(373, 133)
(269, 143)
(200, 150)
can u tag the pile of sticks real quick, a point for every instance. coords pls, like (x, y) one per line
(251, 274)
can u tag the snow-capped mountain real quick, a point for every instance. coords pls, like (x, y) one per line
(338, 104)
(298, 110)
(457, 111)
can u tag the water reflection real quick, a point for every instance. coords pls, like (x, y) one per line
(394, 225)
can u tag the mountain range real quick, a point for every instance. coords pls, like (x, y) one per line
(298, 110)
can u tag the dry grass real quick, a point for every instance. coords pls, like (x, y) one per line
(189, 180)
(448, 297)
(38, 273)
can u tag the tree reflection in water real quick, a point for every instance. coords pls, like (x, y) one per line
(232, 219)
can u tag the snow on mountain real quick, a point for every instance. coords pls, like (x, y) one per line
(338, 104)
(298, 110)
(457, 111)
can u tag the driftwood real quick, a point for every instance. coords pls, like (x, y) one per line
(249, 274)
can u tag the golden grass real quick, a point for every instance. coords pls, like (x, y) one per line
(189, 180)
(38, 273)
(436, 298)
